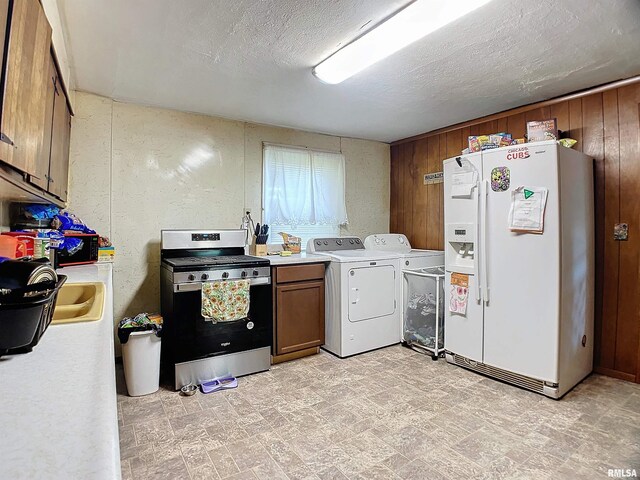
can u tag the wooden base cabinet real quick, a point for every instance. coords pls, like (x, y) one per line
(298, 310)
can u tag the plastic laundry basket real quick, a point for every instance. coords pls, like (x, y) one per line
(141, 358)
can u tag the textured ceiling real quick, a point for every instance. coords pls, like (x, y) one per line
(252, 59)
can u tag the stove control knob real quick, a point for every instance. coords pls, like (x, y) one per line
(339, 242)
(351, 241)
(256, 273)
(326, 243)
(191, 277)
(358, 241)
(318, 242)
(204, 276)
(243, 274)
(225, 274)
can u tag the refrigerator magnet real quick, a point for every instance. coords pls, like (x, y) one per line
(621, 231)
(500, 179)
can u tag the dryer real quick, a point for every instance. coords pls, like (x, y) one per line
(362, 296)
(410, 259)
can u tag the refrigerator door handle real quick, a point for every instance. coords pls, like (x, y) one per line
(485, 262)
(476, 238)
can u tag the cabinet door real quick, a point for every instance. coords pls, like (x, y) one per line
(25, 88)
(299, 316)
(60, 135)
(41, 176)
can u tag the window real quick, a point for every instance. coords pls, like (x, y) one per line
(303, 192)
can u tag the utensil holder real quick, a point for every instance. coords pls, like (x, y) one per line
(257, 249)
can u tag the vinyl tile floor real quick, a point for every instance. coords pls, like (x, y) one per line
(387, 414)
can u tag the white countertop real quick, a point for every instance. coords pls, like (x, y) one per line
(297, 258)
(58, 410)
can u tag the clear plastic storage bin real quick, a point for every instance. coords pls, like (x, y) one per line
(423, 320)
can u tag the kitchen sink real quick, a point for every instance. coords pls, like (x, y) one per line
(79, 302)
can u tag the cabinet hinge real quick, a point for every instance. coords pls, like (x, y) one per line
(6, 139)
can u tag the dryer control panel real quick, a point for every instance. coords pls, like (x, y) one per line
(334, 244)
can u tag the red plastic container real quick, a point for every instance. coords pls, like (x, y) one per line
(12, 247)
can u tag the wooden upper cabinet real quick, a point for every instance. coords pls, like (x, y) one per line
(60, 136)
(25, 81)
(41, 175)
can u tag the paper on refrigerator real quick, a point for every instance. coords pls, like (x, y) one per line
(527, 209)
(459, 294)
(462, 183)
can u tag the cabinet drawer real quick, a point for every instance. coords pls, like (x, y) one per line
(299, 273)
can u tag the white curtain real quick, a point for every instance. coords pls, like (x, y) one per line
(303, 187)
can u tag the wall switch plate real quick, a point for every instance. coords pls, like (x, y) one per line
(621, 231)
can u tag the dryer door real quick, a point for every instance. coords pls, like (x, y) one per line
(372, 292)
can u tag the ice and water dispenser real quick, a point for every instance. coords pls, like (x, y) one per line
(461, 247)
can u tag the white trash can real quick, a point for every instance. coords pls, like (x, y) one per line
(141, 359)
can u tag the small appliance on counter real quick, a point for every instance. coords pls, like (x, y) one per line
(87, 252)
(28, 293)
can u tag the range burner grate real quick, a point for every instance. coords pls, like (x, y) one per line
(222, 260)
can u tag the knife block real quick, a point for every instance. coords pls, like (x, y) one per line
(259, 250)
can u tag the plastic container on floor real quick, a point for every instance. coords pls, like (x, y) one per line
(141, 359)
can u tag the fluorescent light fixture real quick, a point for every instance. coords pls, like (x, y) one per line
(417, 20)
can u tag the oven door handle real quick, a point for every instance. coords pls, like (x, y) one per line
(193, 286)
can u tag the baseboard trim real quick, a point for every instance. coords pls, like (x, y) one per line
(609, 372)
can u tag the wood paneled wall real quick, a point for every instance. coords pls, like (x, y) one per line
(606, 123)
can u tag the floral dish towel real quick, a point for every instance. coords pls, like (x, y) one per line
(225, 301)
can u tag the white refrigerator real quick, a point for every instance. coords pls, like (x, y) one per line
(519, 261)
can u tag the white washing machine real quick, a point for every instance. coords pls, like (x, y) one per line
(362, 296)
(410, 259)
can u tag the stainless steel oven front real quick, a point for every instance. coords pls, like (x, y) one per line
(195, 349)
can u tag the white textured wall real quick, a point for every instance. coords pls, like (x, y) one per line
(90, 162)
(136, 170)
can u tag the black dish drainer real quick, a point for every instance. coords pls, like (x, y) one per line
(25, 314)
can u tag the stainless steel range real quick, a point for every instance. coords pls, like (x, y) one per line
(195, 349)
